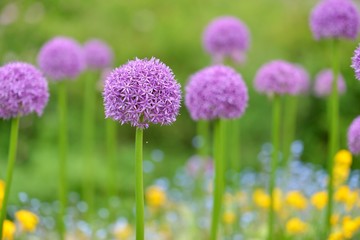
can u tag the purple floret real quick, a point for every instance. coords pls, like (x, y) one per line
(335, 19)
(142, 91)
(323, 83)
(216, 92)
(23, 90)
(278, 77)
(353, 136)
(356, 62)
(98, 55)
(226, 37)
(61, 58)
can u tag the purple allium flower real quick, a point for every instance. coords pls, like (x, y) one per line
(335, 19)
(23, 90)
(356, 62)
(226, 37)
(216, 92)
(304, 80)
(323, 83)
(278, 77)
(353, 136)
(61, 58)
(98, 55)
(142, 91)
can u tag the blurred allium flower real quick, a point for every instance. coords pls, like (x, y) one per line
(98, 55)
(226, 37)
(335, 19)
(356, 62)
(304, 80)
(279, 77)
(216, 92)
(142, 91)
(323, 83)
(23, 90)
(61, 58)
(353, 136)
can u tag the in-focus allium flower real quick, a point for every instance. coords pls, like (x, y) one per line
(9, 230)
(61, 58)
(356, 62)
(141, 92)
(278, 77)
(335, 19)
(27, 220)
(323, 83)
(216, 92)
(353, 136)
(226, 37)
(98, 55)
(23, 90)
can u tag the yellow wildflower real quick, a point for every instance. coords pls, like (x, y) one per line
(319, 199)
(261, 199)
(349, 227)
(123, 231)
(2, 192)
(155, 196)
(351, 200)
(296, 199)
(295, 226)
(336, 236)
(343, 158)
(27, 220)
(229, 217)
(9, 229)
(342, 193)
(341, 174)
(334, 219)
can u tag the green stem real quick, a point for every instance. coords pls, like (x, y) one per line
(139, 191)
(203, 132)
(88, 143)
(289, 125)
(63, 147)
(234, 130)
(219, 176)
(111, 155)
(334, 135)
(274, 162)
(10, 167)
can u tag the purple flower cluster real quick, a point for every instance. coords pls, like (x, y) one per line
(141, 92)
(98, 55)
(23, 90)
(304, 81)
(61, 58)
(280, 77)
(335, 19)
(226, 37)
(323, 83)
(356, 62)
(216, 92)
(353, 136)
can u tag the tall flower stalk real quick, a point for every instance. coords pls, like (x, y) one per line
(141, 92)
(111, 156)
(23, 90)
(217, 93)
(203, 128)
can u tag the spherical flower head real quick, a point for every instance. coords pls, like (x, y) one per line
(141, 92)
(226, 37)
(335, 19)
(323, 83)
(216, 92)
(61, 58)
(353, 136)
(304, 81)
(98, 55)
(356, 62)
(278, 77)
(23, 90)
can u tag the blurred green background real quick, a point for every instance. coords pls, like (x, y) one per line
(170, 30)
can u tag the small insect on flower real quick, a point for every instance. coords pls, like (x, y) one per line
(98, 55)
(61, 58)
(335, 19)
(323, 83)
(23, 90)
(226, 37)
(216, 92)
(28, 221)
(141, 92)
